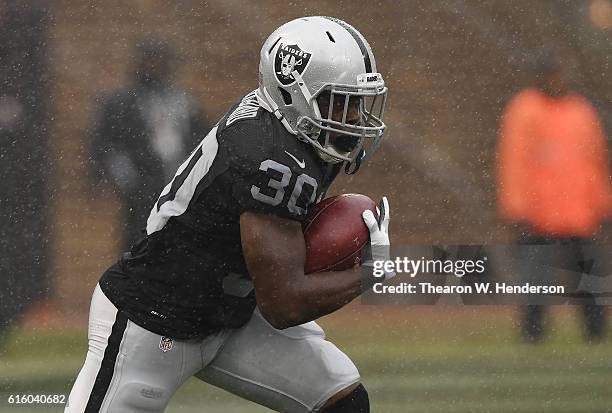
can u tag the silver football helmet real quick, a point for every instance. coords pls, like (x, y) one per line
(324, 57)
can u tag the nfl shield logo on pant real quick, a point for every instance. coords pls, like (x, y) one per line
(165, 344)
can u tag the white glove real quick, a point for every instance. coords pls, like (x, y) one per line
(379, 235)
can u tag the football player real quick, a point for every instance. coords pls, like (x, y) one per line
(217, 288)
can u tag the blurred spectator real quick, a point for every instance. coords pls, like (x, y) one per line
(142, 134)
(553, 175)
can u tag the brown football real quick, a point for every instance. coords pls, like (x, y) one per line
(335, 233)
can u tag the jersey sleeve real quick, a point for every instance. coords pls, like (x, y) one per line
(262, 181)
(271, 186)
(265, 191)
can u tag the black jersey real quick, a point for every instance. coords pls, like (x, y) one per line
(188, 277)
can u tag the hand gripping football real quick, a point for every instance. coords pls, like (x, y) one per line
(335, 233)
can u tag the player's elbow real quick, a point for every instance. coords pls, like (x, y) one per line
(279, 321)
(284, 310)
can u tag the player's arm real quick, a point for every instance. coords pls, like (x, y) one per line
(275, 253)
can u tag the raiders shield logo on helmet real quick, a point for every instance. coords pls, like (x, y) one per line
(165, 343)
(290, 57)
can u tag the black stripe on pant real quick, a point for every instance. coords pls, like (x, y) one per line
(107, 367)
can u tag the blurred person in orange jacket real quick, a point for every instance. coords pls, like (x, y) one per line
(553, 174)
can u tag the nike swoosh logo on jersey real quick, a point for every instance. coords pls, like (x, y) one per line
(301, 164)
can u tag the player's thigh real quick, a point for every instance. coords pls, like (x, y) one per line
(126, 368)
(291, 370)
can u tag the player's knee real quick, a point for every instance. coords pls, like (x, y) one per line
(356, 401)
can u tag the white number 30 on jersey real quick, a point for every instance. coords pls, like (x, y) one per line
(274, 193)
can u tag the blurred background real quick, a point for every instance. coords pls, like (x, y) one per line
(451, 67)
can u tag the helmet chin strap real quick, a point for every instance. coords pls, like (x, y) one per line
(306, 93)
(269, 104)
(351, 168)
(327, 157)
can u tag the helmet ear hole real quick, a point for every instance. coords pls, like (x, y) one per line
(286, 96)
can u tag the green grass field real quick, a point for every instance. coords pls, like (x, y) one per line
(412, 359)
